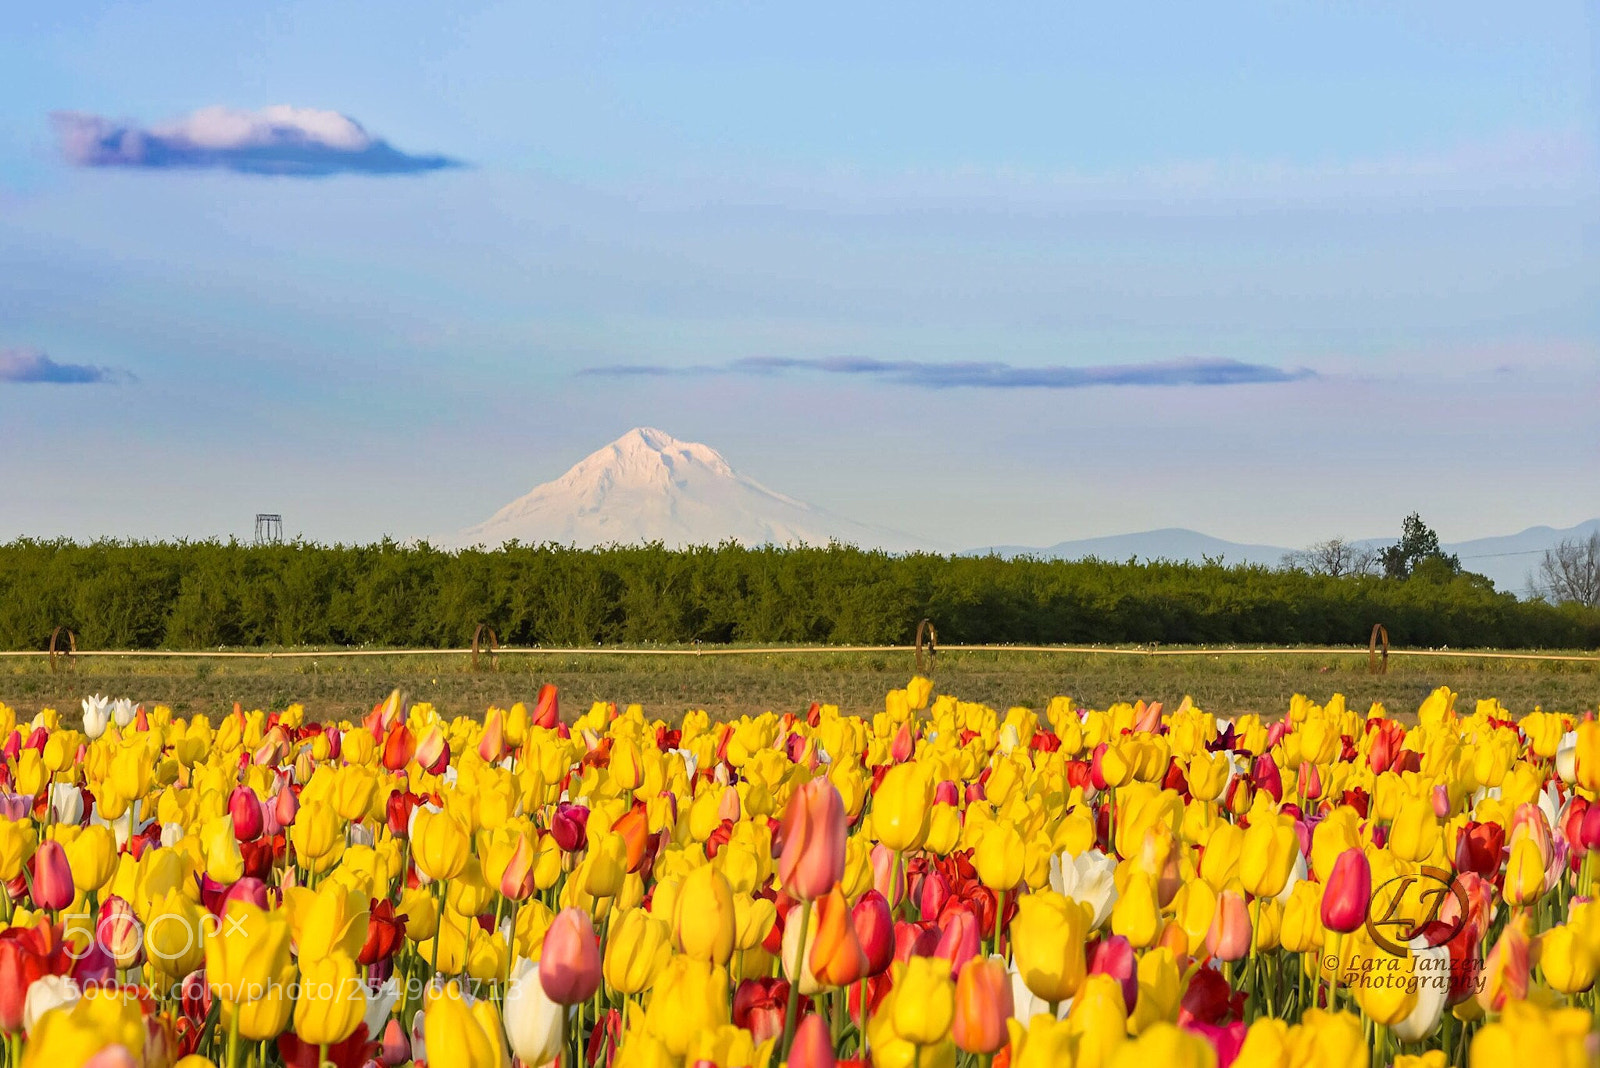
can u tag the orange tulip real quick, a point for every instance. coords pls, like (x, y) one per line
(836, 955)
(983, 1005)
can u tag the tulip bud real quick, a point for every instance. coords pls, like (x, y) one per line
(812, 1046)
(52, 876)
(982, 1005)
(569, 966)
(1348, 895)
(814, 831)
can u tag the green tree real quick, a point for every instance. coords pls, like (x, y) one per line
(1417, 543)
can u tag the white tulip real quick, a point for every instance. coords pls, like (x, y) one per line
(46, 993)
(1025, 1004)
(535, 1025)
(1090, 878)
(66, 803)
(96, 715)
(1567, 758)
(379, 1006)
(1431, 968)
(1297, 873)
(123, 711)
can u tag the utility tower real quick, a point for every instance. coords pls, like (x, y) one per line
(269, 528)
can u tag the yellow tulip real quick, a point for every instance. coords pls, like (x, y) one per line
(1047, 937)
(689, 997)
(1566, 960)
(637, 949)
(924, 1005)
(332, 919)
(458, 1035)
(439, 845)
(1267, 856)
(900, 808)
(703, 916)
(332, 999)
(247, 953)
(999, 857)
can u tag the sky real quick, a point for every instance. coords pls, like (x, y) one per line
(1013, 274)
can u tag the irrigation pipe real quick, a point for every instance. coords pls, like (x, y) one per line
(1082, 650)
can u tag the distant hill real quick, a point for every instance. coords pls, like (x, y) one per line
(1170, 543)
(1508, 560)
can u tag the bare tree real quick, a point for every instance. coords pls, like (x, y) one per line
(1335, 557)
(1570, 572)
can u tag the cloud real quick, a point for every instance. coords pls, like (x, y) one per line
(280, 140)
(985, 375)
(32, 366)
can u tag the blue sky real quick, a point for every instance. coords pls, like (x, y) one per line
(946, 269)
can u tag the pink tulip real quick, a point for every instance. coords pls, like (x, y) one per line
(888, 876)
(814, 832)
(569, 968)
(812, 1047)
(1229, 936)
(958, 941)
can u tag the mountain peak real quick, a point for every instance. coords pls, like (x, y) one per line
(648, 486)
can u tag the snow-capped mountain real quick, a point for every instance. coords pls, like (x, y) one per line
(648, 486)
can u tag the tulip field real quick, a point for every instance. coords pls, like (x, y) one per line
(938, 884)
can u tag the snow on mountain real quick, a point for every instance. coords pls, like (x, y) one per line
(648, 486)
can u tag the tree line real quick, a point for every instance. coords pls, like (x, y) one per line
(209, 594)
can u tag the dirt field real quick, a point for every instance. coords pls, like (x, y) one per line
(773, 679)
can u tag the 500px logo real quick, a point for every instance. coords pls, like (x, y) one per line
(168, 936)
(1392, 922)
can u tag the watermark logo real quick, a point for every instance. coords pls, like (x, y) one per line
(1409, 906)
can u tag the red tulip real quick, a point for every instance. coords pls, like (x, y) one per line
(21, 962)
(52, 876)
(385, 928)
(759, 1006)
(569, 826)
(248, 819)
(569, 968)
(874, 931)
(397, 812)
(399, 747)
(814, 831)
(1479, 846)
(933, 895)
(1348, 896)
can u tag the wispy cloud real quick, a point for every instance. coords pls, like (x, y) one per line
(279, 140)
(984, 375)
(32, 366)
